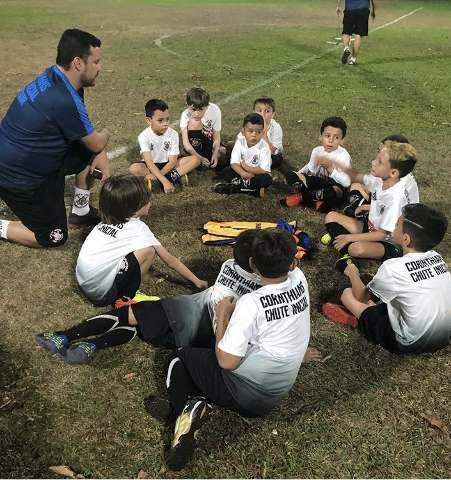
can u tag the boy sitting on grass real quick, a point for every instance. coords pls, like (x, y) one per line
(200, 125)
(359, 198)
(261, 340)
(322, 183)
(412, 313)
(159, 147)
(371, 237)
(272, 133)
(250, 162)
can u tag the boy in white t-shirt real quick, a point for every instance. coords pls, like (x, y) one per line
(115, 256)
(371, 237)
(322, 183)
(406, 307)
(200, 126)
(359, 198)
(250, 162)
(273, 134)
(260, 343)
(159, 147)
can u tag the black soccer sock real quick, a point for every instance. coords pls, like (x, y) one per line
(97, 325)
(356, 199)
(336, 229)
(116, 336)
(173, 176)
(180, 386)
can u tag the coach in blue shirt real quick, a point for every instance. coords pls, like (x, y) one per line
(47, 134)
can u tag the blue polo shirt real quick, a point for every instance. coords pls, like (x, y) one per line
(45, 118)
(356, 4)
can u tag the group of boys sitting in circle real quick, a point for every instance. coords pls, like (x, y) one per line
(240, 343)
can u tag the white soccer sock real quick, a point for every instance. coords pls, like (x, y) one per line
(4, 229)
(80, 205)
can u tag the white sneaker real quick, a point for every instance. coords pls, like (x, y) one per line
(352, 61)
(345, 56)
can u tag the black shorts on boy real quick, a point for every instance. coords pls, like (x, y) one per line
(43, 210)
(356, 21)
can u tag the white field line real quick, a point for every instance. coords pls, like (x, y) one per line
(159, 43)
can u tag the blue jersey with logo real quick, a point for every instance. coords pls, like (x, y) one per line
(45, 118)
(356, 4)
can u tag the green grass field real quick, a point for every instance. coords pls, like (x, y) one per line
(361, 413)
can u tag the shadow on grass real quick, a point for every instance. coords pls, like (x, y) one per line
(23, 418)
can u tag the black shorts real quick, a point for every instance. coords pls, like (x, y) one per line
(127, 280)
(391, 250)
(42, 210)
(160, 166)
(356, 21)
(375, 326)
(153, 324)
(206, 374)
(201, 143)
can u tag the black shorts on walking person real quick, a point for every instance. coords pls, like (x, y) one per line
(356, 21)
(43, 210)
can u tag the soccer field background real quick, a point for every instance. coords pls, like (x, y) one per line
(361, 413)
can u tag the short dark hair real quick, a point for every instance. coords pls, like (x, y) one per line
(74, 43)
(254, 118)
(273, 252)
(155, 104)
(402, 157)
(425, 225)
(121, 196)
(336, 122)
(197, 97)
(266, 101)
(242, 250)
(395, 137)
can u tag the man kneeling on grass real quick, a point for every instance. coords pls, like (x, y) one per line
(260, 343)
(412, 313)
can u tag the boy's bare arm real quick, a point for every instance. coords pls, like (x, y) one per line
(177, 265)
(172, 162)
(238, 169)
(216, 145)
(224, 310)
(343, 240)
(253, 170)
(359, 289)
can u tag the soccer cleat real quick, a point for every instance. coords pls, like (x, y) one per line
(158, 407)
(343, 262)
(345, 56)
(188, 422)
(52, 342)
(92, 218)
(325, 239)
(139, 297)
(337, 314)
(227, 188)
(142, 297)
(80, 353)
(352, 61)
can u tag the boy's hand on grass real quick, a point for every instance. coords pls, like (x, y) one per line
(341, 241)
(205, 162)
(214, 161)
(312, 354)
(168, 186)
